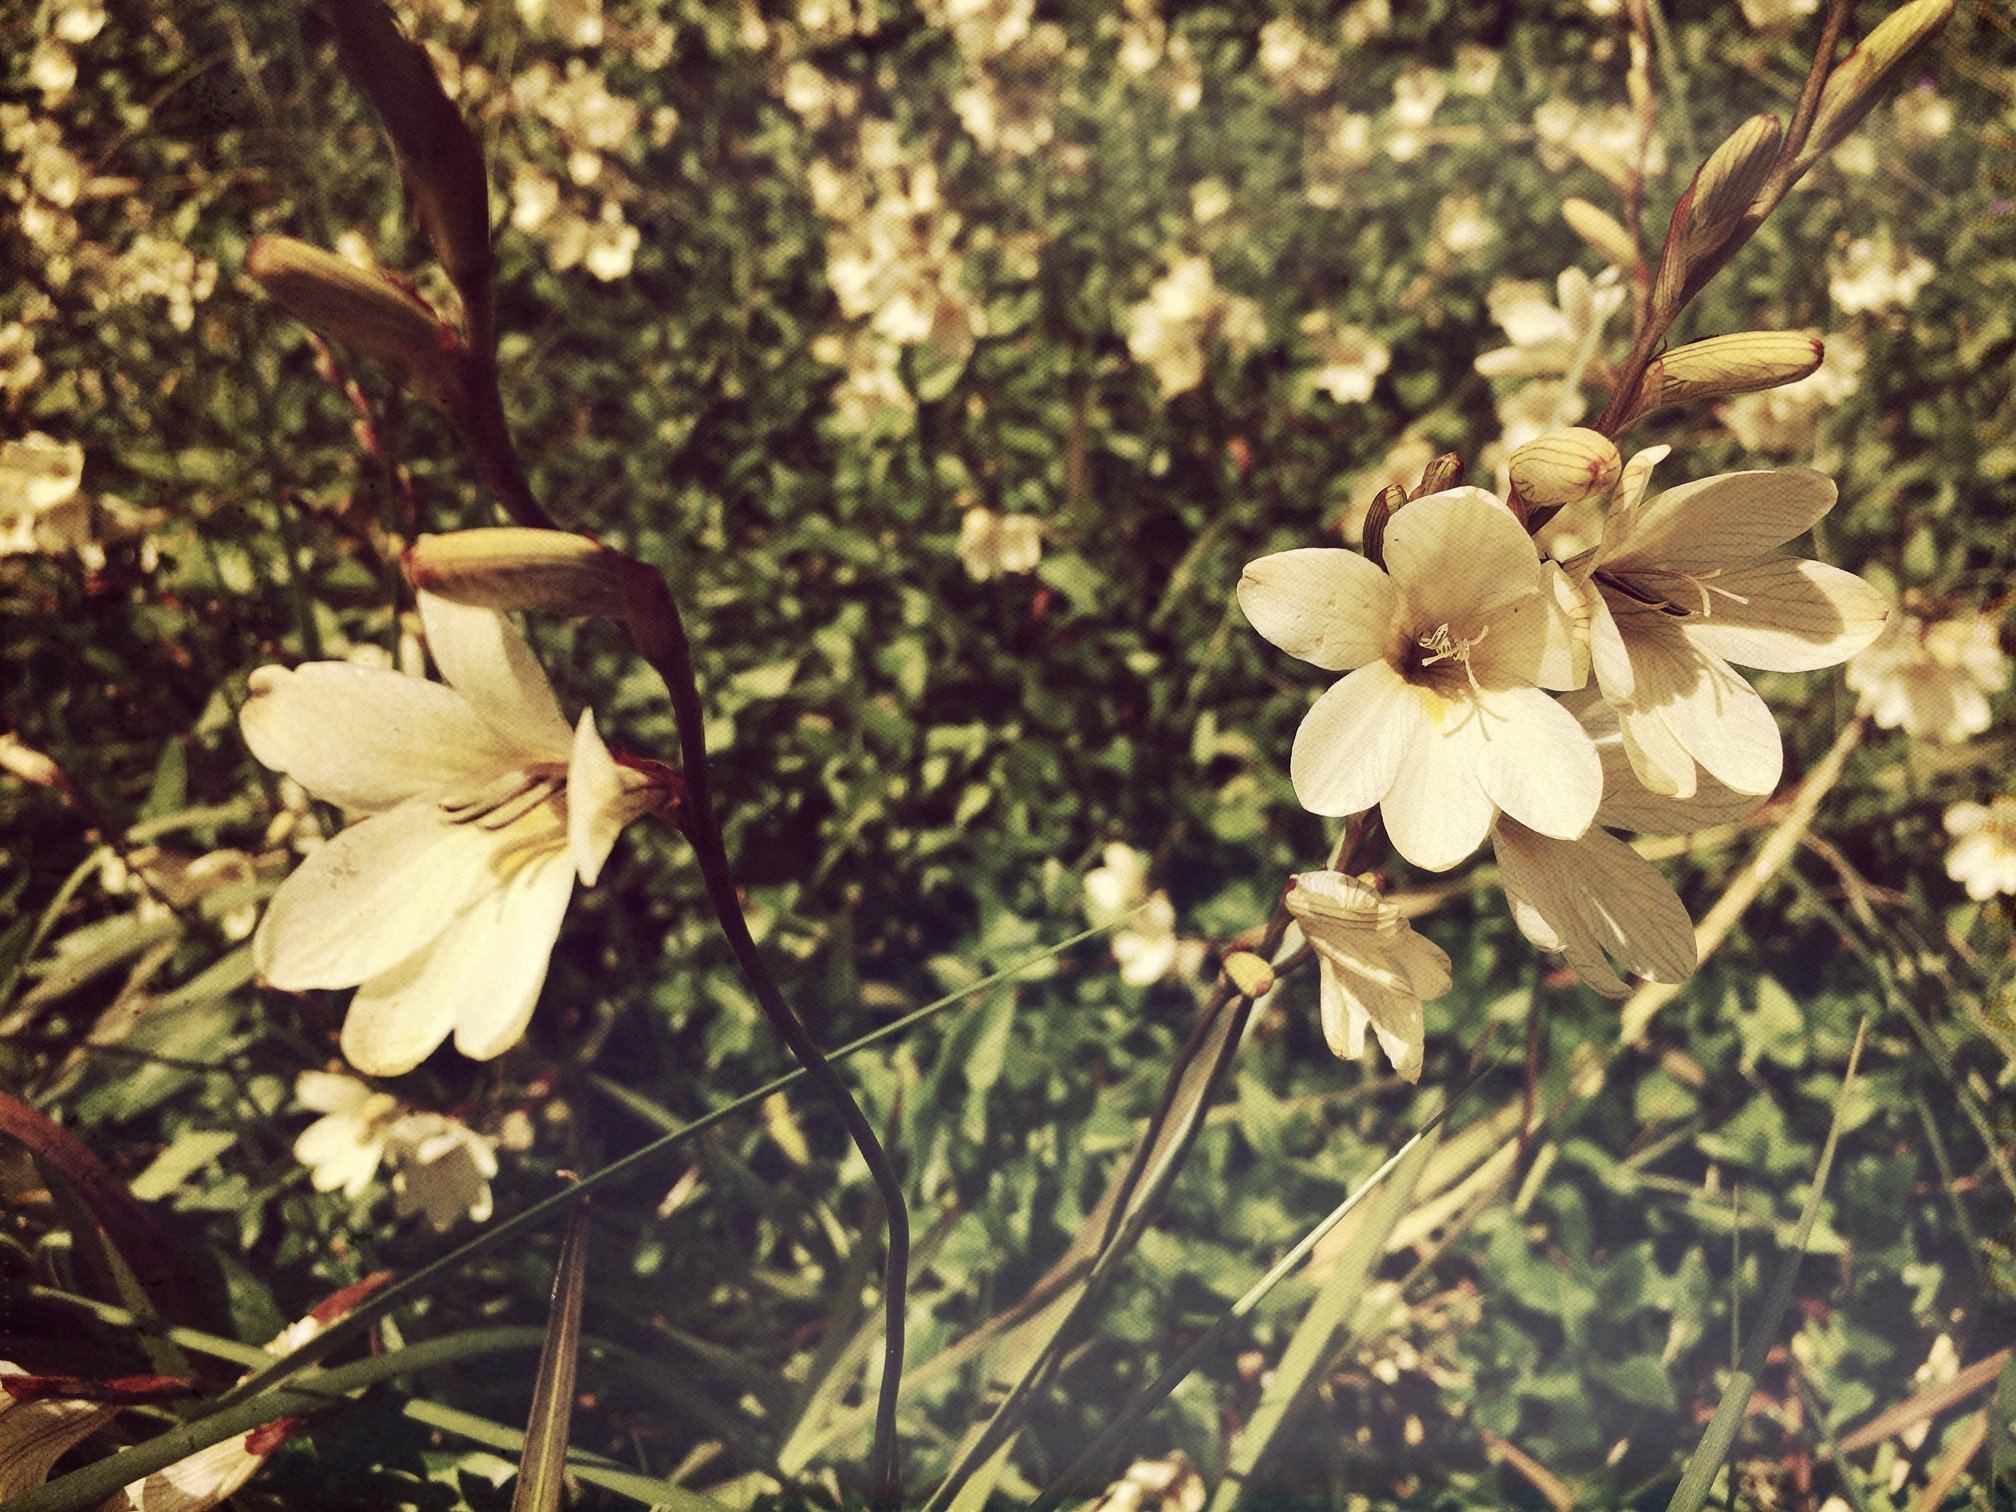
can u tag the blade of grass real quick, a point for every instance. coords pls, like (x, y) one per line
(1716, 1441)
(542, 1470)
(1313, 1344)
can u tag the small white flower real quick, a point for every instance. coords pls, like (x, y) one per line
(1932, 679)
(1689, 581)
(38, 475)
(1171, 330)
(442, 1169)
(992, 544)
(1350, 358)
(343, 1148)
(1983, 857)
(442, 905)
(1374, 970)
(1149, 948)
(1442, 722)
(1874, 275)
(1548, 336)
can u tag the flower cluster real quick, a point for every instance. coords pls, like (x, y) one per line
(1173, 329)
(1455, 645)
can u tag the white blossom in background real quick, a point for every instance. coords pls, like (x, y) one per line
(1296, 63)
(1349, 358)
(345, 1146)
(1476, 70)
(1149, 948)
(1162, 1485)
(1689, 581)
(38, 475)
(442, 904)
(166, 882)
(1462, 229)
(1442, 722)
(1418, 93)
(1547, 335)
(1932, 678)
(1777, 16)
(1171, 330)
(1872, 274)
(20, 368)
(1373, 970)
(441, 1169)
(1983, 855)
(1923, 115)
(991, 544)
(1787, 418)
(1337, 145)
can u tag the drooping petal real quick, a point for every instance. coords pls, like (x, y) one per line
(1597, 896)
(506, 970)
(366, 739)
(1436, 811)
(487, 661)
(1350, 742)
(599, 803)
(1322, 604)
(1629, 804)
(1459, 556)
(1538, 764)
(1725, 521)
(1609, 657)
(1786, 614)
(34, 1435)
(371, 898)
(1358, 999)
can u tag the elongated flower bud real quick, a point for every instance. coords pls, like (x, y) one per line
(513, 567)
(1439, 476)
(1564, 467)
(1249, 973)
(1384, 505)
(1859, 80)
(437, 152)
(1602, 231)
(376, 315)
(1727, 184)
(1739, 363)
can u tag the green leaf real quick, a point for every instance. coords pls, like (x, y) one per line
(542, 1469)
(187, 1153)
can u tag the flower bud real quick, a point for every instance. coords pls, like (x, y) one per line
(1384, 504)
(1565, 467)
(437, 152)
(1857, 82)
(368, 311)
(1739, 363)
(1602, 231)
(1439, 476)
(1727, 184)
(1251, 975)
(513, 567)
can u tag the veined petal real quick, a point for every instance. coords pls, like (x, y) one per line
(1322, 604)
(372, 897)
(1359, 999)
(1726, 521)
(487, 661)
(1564, 617)
(1629, 804)
(1350, 742)
(1713, 713)
(1437, 812)
(366, 739)
(1786, 614)
(507, 941)
(1597, 896)
(1458, 556)
(1537, 763)
(1609, 657)
(34, 1435)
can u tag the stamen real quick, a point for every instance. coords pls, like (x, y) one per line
(1446, 647)
(514, 809)
(502, 801)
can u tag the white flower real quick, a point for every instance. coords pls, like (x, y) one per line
(343, 1148)
(1874, 275)
(443, 904)
(38, 475)
(1686, 583)
(1172, 328)
(1983, 857)
(1932, 679)
(1777, 15)
(1350, 358)
(991, 544)
(1546, 337)
(1442, 722)
(1461, 226)
(1149, 949)
(1374, 969)
(1596, 896)
(441, 1169)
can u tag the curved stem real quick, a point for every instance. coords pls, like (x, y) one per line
(660, 637)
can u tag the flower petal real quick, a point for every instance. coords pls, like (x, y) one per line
(1726, 521)
(1712, 713)
(508, 940)
(1786, 614)
(1609, 657)
(1350, 742)
(1459, 556)
(372, 897)
(487, 661)
(1437, 812)
(364, 738)
(597, 808)
(1322, 604)
(1629, 804)
(1597, 896)
(1538, 764)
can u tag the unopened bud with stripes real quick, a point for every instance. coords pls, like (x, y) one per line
(1564, 467)
(1858, 81)
(515, 567)
(1739, 363)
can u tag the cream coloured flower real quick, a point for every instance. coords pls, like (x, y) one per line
(1689, 581)
(1171, 330)
(1149, 948)
(1374, 970)
(1442, 722)
(443, 904)
(344, 1147)
(1349, 358)
(1874, 275)
(992, 544)
(1983, 857)
(1932, 679)
(442, 1169)
(1595, 897)
(38, 475)
(1547, 336)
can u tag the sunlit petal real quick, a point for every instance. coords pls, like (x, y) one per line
(1725, 521)
(1437, 812)
(1536, 763)
(1785, 614)
(1597, 898)
(1458, 556)
(1322, 604)
(1349, 746)
(486, 660)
